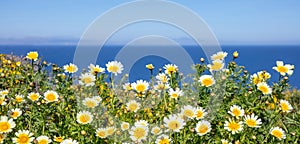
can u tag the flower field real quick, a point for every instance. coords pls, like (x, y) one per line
(220, 103)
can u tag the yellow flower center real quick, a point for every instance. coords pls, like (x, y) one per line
(19, 99)
(23, 138)
(277, 133)
(71, 69)
(4, 126)
(188, 113)
(164, 141)
(113, 69)
(50, 97)
(207, 82)
(34, 97)
(174, 125)
(156, 130)
(264, 89)
(90, 104)
(133, 106)
(199, 114)
(140, 88)
(282, 69)
(251, 122)
(14, 114)
(216, 66)
(236, 112)
(43, 141)
(125, 126)
(59, 139)
(101, 134)
(174, 95)
(87, 80)
(233, 126)
(284, 107)
(110, 131)
(171, 69)
(202, 129)
(32, 55)
(84, 118)
(139, 133)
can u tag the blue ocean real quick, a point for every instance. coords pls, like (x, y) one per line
(254, 57)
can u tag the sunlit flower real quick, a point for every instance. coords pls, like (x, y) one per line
(2, 100)
(23, 137)
(252, 121)
(125, 126)
(90, 102)
(278, 133)
(114, 67)
(84, 117)
(15, 113)
(69, 141)
(219, 55)
(4, 92)
(87, 79)
(170, 68)
(51, 96)
(94, 69)
(43, 140)
(163, 139)
(162, 77)
(101, 132)
(34, 96)
(285, 106)
(236, 111)
(141, 123)
(284, 69)
(140, 86)
(255, 79)
(127, 87)
(58, 139)
(264, 75)
(174, 123)
(207, 80)
(32, 55)
(156, 130)
(225, 141)
(188, 111)
(200, 113)
(138, 133)
(264, 88)
(216, 65)
(203, 127)
(233, 126)
(161, 86)
(175, 93)
(150, 66)
(235, 54)
(97, 98)
(133, 106)
(110, 130)
(70, 68)
(19, 98)
(6, 125)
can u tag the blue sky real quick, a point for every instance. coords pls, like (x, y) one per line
(232, 21)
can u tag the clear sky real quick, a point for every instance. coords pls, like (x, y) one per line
(232, 21)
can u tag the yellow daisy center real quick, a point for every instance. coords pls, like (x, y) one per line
(219, 56)
(110, 131)
(199, 114)
(133, 106)
(251, 122)
(233, 126)
(59, 139)
(90, 104)
(71, 68)
(207, 82)
(23, 138)
(19, 99)
(125, 126)
(113, 69)
(84, 118)
(216, 66)
(236, 112)
(174, 95)
(101, 134)
(284, 106)
(282, 69)
(140, 88)
(277, 133)
(43, 141)
(139, 133)
(4, 126)
(14, 114)
(264, 89)
(87, 80)
(171, 69)
(156, 130)
(164, 141)
(34, 97)
(202, 129)
(188, 113)
(174, 125)
(50, 97)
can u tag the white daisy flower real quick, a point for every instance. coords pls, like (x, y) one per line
(138, 133)
(252, 121)
(175, 93)
(264, 88)
(278, 133)
(133, 106)
(114, 67)
(203, 127)
(200, 113)
(188, 111)
(90, 102)
(284, 69)
(219, 55)
(207, 80)
(170, 68)
(15, 113)
(70, 68)
(236, 111)
(233, 126)
(87, 79)
(140, 86)
(84, 117)
(174, 123)
(23, 137)
(285, 106)
(163, 139)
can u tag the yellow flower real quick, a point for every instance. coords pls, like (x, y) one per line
(114, 67)
(138, 133)
(43, 140)
(133, 106)
(284, 69)
(125, 126)
(175, 93)
(264, 88)
(207, 80)
(216, 65)
(252, 121)
(19, 98)
(51, 96)
(94, 69)
(150, 66)
(32, 55)
(34, 96)
(233, 126)
(110, 130)
(6, 125)
(174, 123)
(203, 127)
(140, 86)
(70, 68)
(236, 111)
(90, 102)
(23, 137)
(264, 75)
(219, 56)
(235, 54)
(87, 79)
(200, 113)
(156, 130)
(162, 77)
(188, 111)
(15, 113)
(18, 63)
(163, 139)
(278, 132)
(285, 106)
(170, 68)
(2, 100)
(101, 132)
(59, 139)
(4, 92)
(84, 117)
